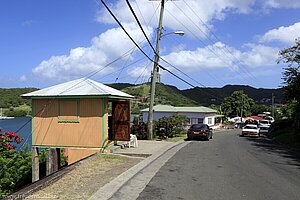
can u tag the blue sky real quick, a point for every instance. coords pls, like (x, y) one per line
(226, 41)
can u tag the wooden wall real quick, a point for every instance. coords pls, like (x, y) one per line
(78, 154)
(89, 131)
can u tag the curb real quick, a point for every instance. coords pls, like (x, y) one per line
(108, 190)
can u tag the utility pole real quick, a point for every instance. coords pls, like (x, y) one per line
(155, 73)
(273, 104)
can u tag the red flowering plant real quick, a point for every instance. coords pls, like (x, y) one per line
(8, 139)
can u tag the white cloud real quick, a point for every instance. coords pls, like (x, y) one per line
(23, 78)
(29, 23)
(207, 57)
(218, 56)
(139, 71)
(285, 34)
(259, 55)
(282, 3)
(82, 60)
(178, 14)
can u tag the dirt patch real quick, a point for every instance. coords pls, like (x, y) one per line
(87, 178)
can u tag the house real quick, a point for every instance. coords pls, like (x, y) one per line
(74, 116)
(196, 115)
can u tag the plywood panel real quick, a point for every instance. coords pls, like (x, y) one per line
(88, 132)
(75, 155)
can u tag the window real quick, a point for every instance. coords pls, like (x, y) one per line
(200, 120)
(209, 120)
(68, 110)
(196, 120)
(193, 121)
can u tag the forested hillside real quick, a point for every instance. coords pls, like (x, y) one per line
(208, 96)
(10, 97)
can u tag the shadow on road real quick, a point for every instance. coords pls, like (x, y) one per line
(272, 147)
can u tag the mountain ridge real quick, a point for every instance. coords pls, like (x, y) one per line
(212, 95)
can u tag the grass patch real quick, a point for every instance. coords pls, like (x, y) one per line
(178, 137)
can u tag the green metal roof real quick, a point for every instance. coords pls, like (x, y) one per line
(168, 108)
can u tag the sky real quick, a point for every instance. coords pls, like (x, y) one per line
(43, 43)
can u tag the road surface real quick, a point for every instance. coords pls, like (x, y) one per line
(228, 167)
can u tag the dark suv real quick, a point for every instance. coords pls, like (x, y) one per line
(199, 131)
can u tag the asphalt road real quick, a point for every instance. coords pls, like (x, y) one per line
(228, 167)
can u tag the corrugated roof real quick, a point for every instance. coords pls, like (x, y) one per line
(168, 108)
(78, 87)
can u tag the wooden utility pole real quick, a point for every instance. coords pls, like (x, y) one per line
(35, 165)
(273, 104)
(155, 73)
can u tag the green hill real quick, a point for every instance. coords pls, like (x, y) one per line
(167, 94)
(10, 97)
(208, 96)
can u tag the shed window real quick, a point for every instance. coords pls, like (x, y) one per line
(68, 110)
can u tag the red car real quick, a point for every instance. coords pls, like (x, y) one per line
(199, 131)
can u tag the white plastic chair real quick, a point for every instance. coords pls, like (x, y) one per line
(133, 141)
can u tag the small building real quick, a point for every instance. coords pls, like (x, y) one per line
(75, 116)
(196, 115)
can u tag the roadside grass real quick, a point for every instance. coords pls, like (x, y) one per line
(178, 137)
(87, 178)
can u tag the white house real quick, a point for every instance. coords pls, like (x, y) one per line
(196, 115)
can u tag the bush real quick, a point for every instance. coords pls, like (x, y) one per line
(15, 166)
(140, 130)
(170, 126)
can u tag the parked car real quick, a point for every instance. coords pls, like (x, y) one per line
(264, 126)
(250, 130)
(199, 131)
(270, 119)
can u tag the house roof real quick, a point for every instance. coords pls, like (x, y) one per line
(168, 108)
(254, 118)
(79, 87)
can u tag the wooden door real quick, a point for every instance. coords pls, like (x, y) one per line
(121, 120)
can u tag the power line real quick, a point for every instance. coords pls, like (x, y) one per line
(119, 23)
(208, 47)
(160, 66)
(140, 25)
(205, 34)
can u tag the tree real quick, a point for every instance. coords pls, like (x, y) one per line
(237, 104)
(259, 109)
(291, 77)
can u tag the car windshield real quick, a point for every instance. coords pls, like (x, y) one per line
(198, 127)
(250, 127)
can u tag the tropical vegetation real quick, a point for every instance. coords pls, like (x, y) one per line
(15, 166)
(287, 130)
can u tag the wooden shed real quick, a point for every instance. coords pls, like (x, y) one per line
(80, 116)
